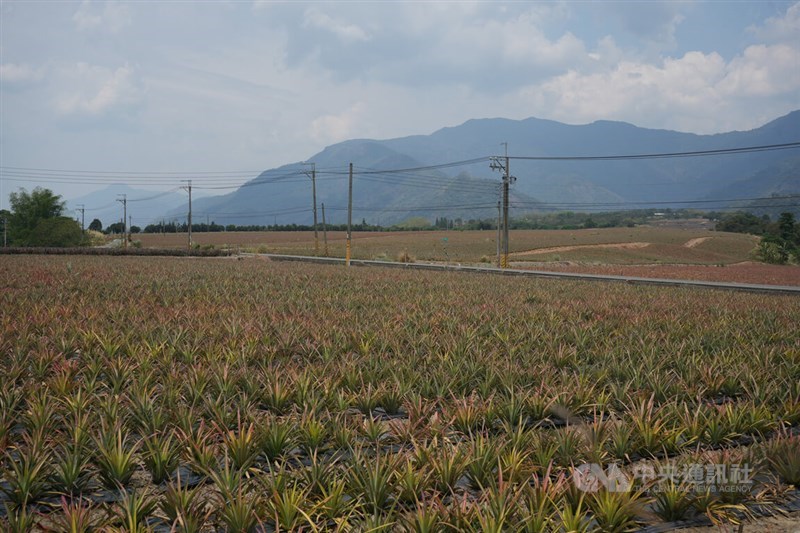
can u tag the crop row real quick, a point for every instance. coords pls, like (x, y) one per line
(202, 394)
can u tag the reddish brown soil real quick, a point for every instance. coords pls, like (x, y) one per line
(789, 523)
(746, 272)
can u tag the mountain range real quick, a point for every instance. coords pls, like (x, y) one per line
(428, 187)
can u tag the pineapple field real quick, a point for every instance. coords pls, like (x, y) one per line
(225, 394)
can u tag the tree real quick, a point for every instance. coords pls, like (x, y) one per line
(36, 220)
(116, 227)
(5, 216)
(58, 232)
(96, 225)
(741, 222)
(786, 226)
(773, 251)
(781, 243)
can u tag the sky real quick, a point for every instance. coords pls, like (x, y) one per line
(241, 86)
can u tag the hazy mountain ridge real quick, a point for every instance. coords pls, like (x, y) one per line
(145, 206)
(391, 198)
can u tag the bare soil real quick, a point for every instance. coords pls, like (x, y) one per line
(691, 243)
(789, 523)
(558, 249)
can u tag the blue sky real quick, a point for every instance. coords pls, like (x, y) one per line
(226, 85)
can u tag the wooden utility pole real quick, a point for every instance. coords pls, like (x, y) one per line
(189, 188)
(124, 201)
(506, 183)
(324, 230)
(349, 217)
(313, 176)
(82, 209)
(498, 233)
(502, 164)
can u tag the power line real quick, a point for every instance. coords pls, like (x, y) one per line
(127, 173)
(212, 179)
(700, 153)
(623, 210)
(421, 208)
(409, 177)
(104, 175)
(665, 202)
(156, 196)
(289, 211)
(465, 162)
(453, 185)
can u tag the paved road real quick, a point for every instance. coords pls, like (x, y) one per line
(745, 287)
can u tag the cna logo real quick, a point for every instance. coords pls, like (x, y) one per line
(591, 477)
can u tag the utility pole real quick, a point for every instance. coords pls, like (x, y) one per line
(189, 188)
(124, 202)
(501, 164)
(498, 233)
(324, 230)
(349, 217)
(130, 222)
(82, 209)
(313, 177)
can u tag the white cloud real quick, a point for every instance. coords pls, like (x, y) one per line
(20, 74)
(521, 41)
(516, 40)
(338, 127)
(693, 92)
(94, 90)
(112, 18)
(780, 29)
(348, 32)
(764, 71)
(606, 54)
(256, 84)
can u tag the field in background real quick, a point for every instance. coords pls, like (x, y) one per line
(685, 252)
(323, 398)
(641, 244)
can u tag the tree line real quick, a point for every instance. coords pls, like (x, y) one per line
(780, 239)
(37, 218)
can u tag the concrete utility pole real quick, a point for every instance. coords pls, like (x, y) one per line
(324, 230)
(189, 188)
(82, 209)
(501, 164)
(313, 176)
(124, 201)
(498, 233)
(349, 217)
